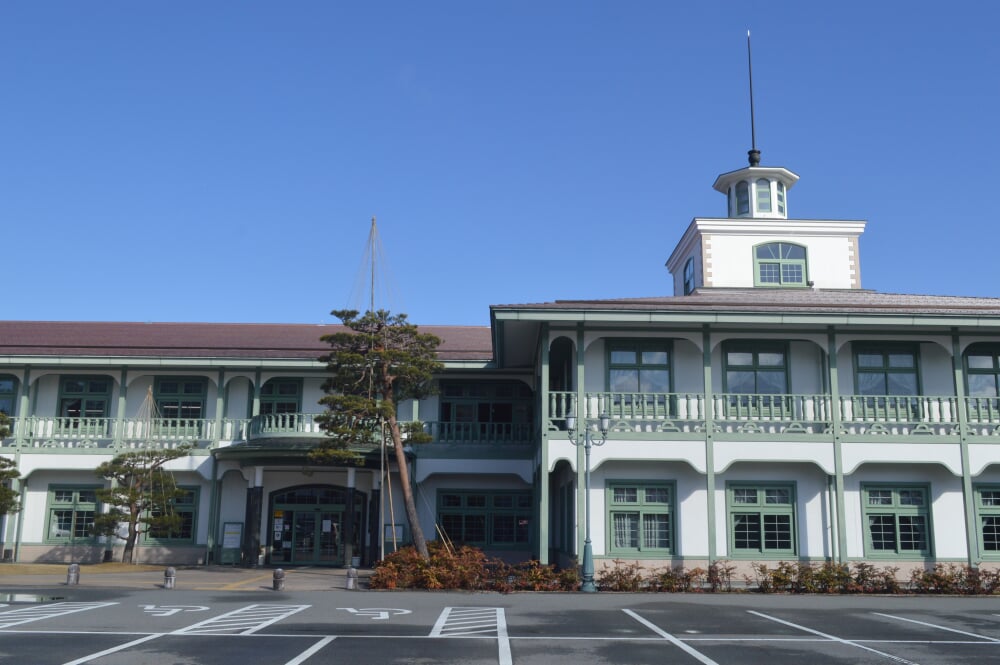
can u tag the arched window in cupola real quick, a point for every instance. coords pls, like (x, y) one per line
(763, 195)
(780, 264)
(742, 198)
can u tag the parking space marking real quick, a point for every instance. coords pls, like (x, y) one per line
(302, 657)
(832, 637)
(39, 612)
(243, 621)
(475, 622)
(691, 651)
(467, 622)
(120, 647)
(934, 625)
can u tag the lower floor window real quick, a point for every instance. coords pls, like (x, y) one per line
(988, 514)
(640, 516)
(897, 520)
(486, 519)
(71, 513)
(183, 507)
(761, 518)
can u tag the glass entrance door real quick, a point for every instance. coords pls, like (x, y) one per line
(307, 526)
(315, 537)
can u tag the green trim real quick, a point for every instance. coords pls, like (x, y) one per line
(76, 513)
(639, 499)
(987, 520)
(493, 519)
(542, 516)
(581, 499)
(706, 359)
(648, 355)
(783, 268)
(758, 502)
(188, 504)
(281, 395)
(84, 396)
(8, 395)
(897, 506)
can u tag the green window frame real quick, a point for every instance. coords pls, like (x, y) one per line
(982, 381)
(486, 410)
(281, 395)
(756, 377)
(988, 518)
(781, 197)
(185, 505)
(887, 380)
(8, 394)
(897, 520)
(84, 397)
(761, 518)
(780, 264)
(742, 198)
(689, 276)
(640, 517)
(763, 187)
(71, 512)
(493, 519)
(180, 397)
(639, 366)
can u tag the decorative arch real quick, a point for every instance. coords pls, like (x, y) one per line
(780, 264)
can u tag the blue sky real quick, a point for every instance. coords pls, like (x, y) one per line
(221, 161)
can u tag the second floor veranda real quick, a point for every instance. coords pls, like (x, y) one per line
(691, 415)
(59, 433)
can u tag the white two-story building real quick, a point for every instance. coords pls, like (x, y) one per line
(769, 409)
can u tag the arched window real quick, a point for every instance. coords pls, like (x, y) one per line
(689, 276)
(779, 264)
(742, 198)
(781, 197)
(763, 195)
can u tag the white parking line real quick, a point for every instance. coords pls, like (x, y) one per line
(120, 647)
(302, 657)
(934, 625)
(702, 658)
(833, 638)
(475, 622)
(38, 612)
(244, 621)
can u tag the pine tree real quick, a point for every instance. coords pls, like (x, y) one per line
(379, 361)
(8, 472)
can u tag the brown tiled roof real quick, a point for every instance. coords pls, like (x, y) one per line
(834, 301)
(207, 340)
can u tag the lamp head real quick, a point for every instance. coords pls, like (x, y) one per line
(571, 423)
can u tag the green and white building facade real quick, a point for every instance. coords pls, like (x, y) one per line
(769, 409)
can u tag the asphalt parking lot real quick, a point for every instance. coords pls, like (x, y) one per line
(224, 624)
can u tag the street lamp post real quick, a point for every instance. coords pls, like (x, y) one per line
(587, 441)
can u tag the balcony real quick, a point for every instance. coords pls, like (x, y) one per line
(687, 414)
(115, 435)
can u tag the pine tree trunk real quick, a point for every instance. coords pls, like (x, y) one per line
(419, 542)
(133, 536)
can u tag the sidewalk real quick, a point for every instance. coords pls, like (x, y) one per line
(15, 576)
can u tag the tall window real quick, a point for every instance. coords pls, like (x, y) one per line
(84, 397)
(763, 187)
(640, 517)
(639, 366)
(487, 519)
(742, 198)
(71, 513)
(180, 398)
(781, 197)
(185, 507)
(689, 276)
(8, 395)
(780, 264)
(760, 372)
(281, 396)
(982, 376)
(988, 514)
(888, 378)
(897, 519)
(761, 519)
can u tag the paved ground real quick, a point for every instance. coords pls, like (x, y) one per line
(206, 578)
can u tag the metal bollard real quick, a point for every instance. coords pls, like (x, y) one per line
(352, 578)
(73, 574)
(278, 579)
(169, 578)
